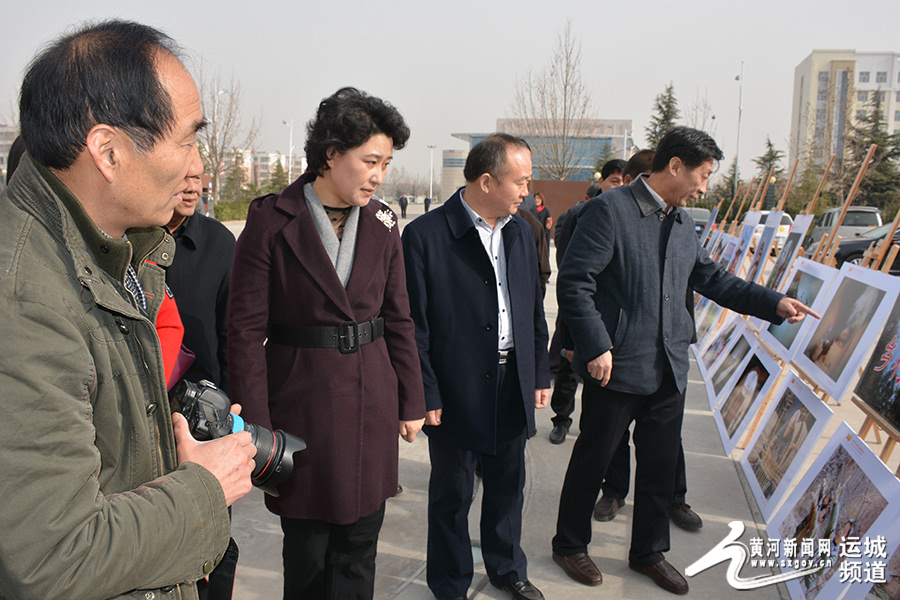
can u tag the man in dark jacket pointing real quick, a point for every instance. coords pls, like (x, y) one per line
(622, 288)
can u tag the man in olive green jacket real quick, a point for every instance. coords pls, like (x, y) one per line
(103, 493)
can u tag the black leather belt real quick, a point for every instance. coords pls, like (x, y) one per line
(507, 356)
(348, 336)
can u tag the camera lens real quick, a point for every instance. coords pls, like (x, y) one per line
(274, 456)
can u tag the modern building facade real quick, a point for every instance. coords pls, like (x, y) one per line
(835, 88)
(453, 163)
(588, 141)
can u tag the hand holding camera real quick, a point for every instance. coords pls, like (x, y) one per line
(229, 458)
(206, 410)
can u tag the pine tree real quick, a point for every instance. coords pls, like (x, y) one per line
(607, 153)
(278, 179)
(881, 184)
(666, 114)
(235, 180)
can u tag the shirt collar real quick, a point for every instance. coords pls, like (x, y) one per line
(662, 203)
(478, 219)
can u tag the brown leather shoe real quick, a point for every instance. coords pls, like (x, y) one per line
(579, 567)
(664, 575)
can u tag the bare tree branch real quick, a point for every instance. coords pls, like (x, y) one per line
(552, 108)
(700, 115)
(220, 101)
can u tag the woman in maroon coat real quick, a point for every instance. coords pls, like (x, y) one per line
(320, 344)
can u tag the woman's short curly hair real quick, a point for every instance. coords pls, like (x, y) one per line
(346, 120)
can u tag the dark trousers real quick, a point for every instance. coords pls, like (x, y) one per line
(618, 475)
(450, 488)
(330, 562)
(219, 584)
(562, 400)
(605, 416)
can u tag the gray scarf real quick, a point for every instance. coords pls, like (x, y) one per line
(340, 251)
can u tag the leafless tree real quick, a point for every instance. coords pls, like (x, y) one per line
(553, 108)
(700, 115)
(220, 100)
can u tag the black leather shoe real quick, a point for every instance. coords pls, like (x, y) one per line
(664, 575)
(579, 567)
(522, 590)
(558, 435)
(607, 507)
(682, 515)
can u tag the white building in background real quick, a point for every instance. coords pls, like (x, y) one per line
(8, 134)
(453, 163)
(834, 88)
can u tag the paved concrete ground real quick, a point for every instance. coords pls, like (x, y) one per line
(716, 490)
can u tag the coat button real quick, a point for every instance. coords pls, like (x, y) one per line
(489, 375)
(489, 326)
(104, 249)
(168, 589)
(661, 217)
(123, 327)
(149, 595)
(487, 282)
(165, 256)
(665, 338)
(666, 297)
(207, 567)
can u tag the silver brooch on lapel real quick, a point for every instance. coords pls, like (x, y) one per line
(385, 217)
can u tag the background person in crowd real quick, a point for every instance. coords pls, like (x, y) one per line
(200, 276)
(318, 271)
(403, 202)
(128, 500)
(562, 401)
(484, 363)
(543, 213)
(632, 330)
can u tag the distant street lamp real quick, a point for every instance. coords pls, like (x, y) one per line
(625, 135)
(215, 126)
(431, 175)
(290, 150)
(740, 112)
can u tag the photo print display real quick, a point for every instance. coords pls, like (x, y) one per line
(847, 494)
(744, 396)
(789, 251)
(710, 223)
(787, 432)
(808, 282)
(715, 254)
(706, 321)
(718, 343)
(879, 386)
(764, 248)
(731, 361)
(729, 249)
(740, 255)
(857, 306)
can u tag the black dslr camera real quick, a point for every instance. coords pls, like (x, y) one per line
(207, 410)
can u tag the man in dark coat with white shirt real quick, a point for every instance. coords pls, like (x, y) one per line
(476, 301)
(622, 288)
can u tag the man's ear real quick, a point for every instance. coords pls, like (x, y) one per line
(675, 165)
(104, 143)
(484, 182)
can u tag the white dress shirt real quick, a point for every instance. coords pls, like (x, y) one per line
(492, 238)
